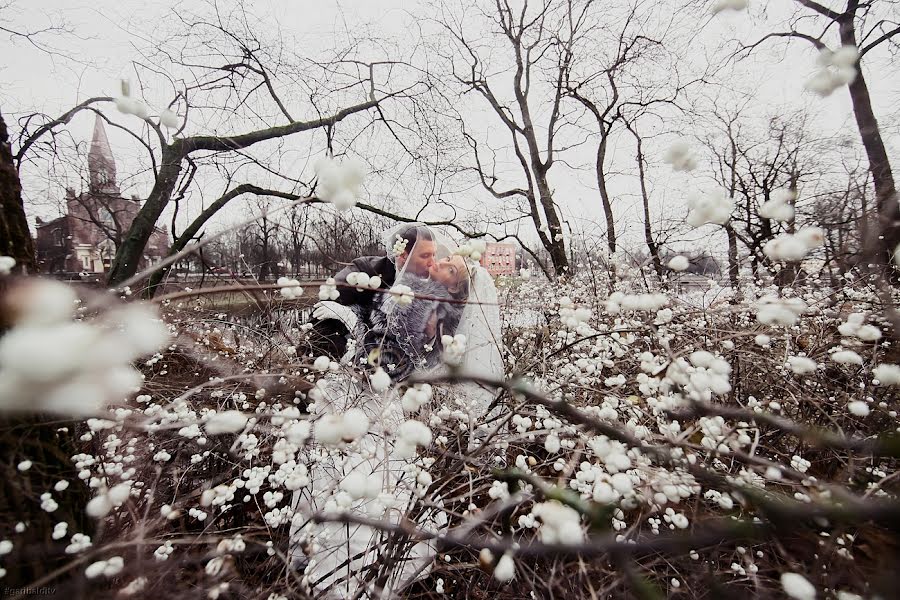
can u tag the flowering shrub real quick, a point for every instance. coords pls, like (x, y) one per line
(641, 424)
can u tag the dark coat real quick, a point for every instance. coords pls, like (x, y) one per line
(329, 336)
(394, 335)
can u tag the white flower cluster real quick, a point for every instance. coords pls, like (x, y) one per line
(560, 524)
(706, 375)
(6, 264)
(410, 434)
(380, 380)
(454, 348)
(403, 294)
(399, 246)
(363, 281)
(229, 421)
(50, 363)
(854, 328)
(797, 586)
(474, 249)
(324, 363)
(771, 310)
(792, 247)
(779, 207)
(107, 499)
(169, 119)
(505, 569)
(78, 543)
(290, 288)
(339, 182)
(328, 290)
(713, 206)
(361, 485)
(345, 428)
(679, 263)
(732, 5)
(107, 568)
(571, 317)
(836, 68)
(619, 301)
(858, 408)
(801, 365)
(414, 397)
(131, 106)
(680, 156)
(887, 374)
(846, 357)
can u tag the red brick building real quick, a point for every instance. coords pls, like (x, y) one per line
(499, 258)
(85, 239)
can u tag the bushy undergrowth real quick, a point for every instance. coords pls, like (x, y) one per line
(646, 443)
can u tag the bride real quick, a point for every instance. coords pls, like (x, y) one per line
(379, 474)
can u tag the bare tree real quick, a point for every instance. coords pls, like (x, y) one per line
(867, 26)
(537, 41)
(239, 75)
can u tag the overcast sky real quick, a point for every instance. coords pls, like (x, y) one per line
(108, 33)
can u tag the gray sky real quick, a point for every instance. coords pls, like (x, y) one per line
(107, 33)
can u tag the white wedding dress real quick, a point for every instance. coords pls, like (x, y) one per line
(341, 560)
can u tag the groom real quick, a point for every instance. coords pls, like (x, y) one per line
(328, 335)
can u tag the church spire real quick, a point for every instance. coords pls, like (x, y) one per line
(101, 163)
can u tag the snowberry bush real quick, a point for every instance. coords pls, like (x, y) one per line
(746, 441)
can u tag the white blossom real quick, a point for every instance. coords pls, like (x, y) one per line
(339, 182)
(847, 357)
(680, 156)
(380, 380)
(858, 408)
(836, 68)
(107, 568)
(679, 263)
(779, 207)
(410, 434)
(561, 524)
(229, 421)
(290, 288)
(506, 569)
(713, 206)
(403, 294)
(797, 586)
(732, 5)
(801, 365)
(887, 374)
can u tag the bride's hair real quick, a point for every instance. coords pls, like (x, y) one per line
(462, 285)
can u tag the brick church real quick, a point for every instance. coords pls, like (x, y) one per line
(85, 239)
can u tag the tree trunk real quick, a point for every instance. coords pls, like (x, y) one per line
(648, 230)
(15, 237)
(733, 265)
(604, 197)
(879, 164)
(556, 247)
(129, 254)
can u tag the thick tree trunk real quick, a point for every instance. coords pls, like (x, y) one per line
(604, 197)
(15, 237)
(555, 243)
(733, 264)
(879, 164)
(645, 197)
(129, 254)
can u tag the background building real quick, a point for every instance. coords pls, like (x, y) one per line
(500, 258)
(85, 239)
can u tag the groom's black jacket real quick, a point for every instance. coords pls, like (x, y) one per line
(329, 337)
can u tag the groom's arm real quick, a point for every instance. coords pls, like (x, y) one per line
(370, 265)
